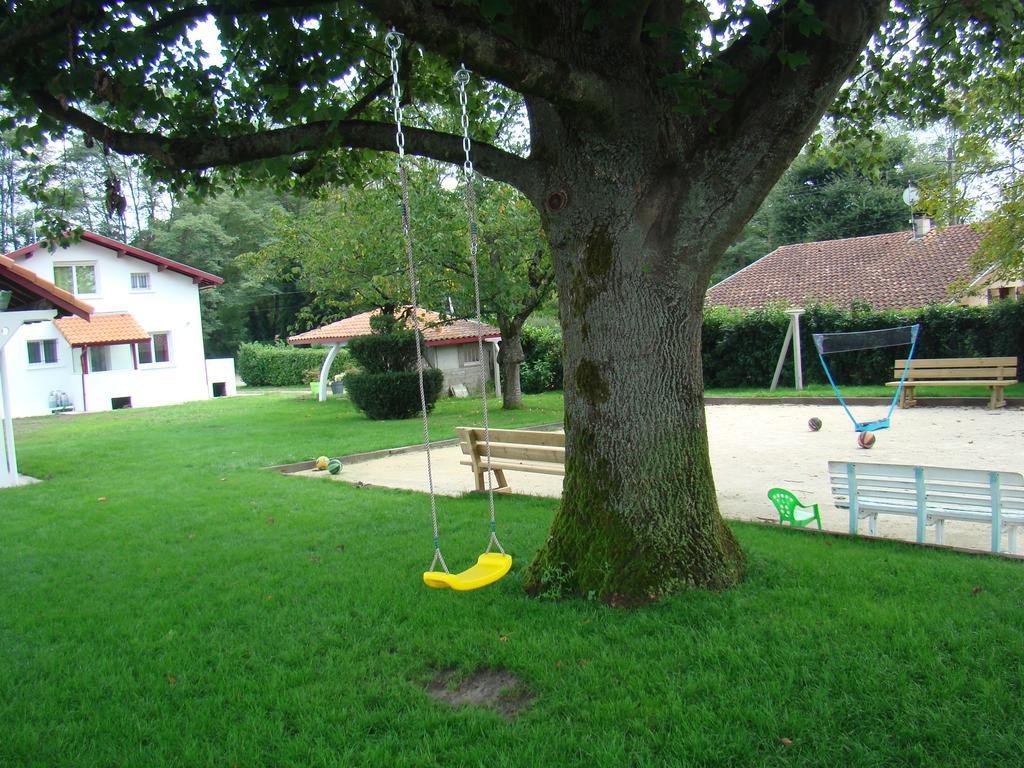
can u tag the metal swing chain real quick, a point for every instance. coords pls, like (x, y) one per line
(393, 40)
(462, 78)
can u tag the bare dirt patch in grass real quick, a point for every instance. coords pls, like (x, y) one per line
(495, 689)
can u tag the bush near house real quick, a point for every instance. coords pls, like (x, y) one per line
(388, 385)
(277, 365)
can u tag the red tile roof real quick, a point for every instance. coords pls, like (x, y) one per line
(101, 330)
(201, 278)
(889, 271)
(28, 286)
(437, 332)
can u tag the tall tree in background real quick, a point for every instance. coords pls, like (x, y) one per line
(70, 182)
(657, 127)
(210, 235)
(983, 179)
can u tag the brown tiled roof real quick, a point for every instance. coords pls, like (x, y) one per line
(436, 331)
(888, 271)
(101, 330)
(199, 277)
(28, 288)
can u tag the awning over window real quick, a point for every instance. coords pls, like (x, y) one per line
(101, 331)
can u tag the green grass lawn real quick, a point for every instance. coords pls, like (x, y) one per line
(209, 612)
(824, 390)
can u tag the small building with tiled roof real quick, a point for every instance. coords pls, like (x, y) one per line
(888, 271)
(451, 346)
(142, 346)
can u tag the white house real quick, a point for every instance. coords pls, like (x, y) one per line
(142, 346)
(451, 346)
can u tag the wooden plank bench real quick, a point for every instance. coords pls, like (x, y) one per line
(518, 450)
(996, 373)
(932, 495)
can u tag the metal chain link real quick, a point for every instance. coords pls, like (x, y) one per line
(462, 78)
(393, 40)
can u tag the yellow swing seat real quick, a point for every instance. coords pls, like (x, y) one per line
(489, 567)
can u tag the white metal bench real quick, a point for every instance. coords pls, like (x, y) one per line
(932, 495)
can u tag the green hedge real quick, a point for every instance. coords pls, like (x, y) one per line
(741, 349)
(270, 365)
(541, 370)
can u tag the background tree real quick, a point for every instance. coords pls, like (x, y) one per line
(983, 179)
(656, 130)
(211, 234)
(71, 182)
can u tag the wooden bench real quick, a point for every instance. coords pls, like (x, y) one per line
(932, 495)
(996, 373)
(518, 450)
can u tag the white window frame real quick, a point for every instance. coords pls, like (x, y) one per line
(149, 282)
(73, 265)
(154, 363)
(44, 363)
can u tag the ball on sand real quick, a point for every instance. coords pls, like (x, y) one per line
(321, 463)
(814, 424)
(334, 466)
(866, 439)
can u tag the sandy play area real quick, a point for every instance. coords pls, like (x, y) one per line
(756, 447)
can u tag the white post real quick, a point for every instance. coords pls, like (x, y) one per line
(782, 356)
(9, 473)
(792, 333)
(798, 366)
(497, 369)
(326, 370)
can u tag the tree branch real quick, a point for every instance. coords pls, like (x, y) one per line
(771, 117)
(451, 32)
(80, 14)
(201, 152)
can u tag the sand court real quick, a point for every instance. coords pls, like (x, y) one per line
(757, 447)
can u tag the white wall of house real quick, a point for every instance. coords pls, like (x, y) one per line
(169, 305)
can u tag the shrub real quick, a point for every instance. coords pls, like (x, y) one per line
(382, 352)
(541, 371)
(389, 387)
(393, 394)
(278, 365)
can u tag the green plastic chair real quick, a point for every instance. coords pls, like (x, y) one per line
(792, 511)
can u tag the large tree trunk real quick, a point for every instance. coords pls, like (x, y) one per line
(639, 515)
(510, 357)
